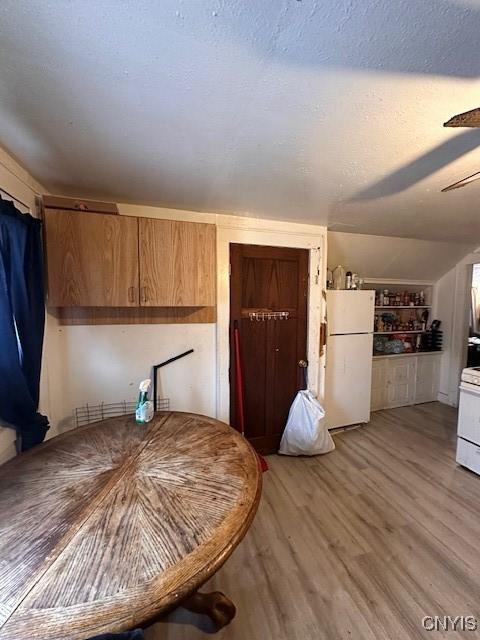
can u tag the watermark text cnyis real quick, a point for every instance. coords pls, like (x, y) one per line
(450, 623)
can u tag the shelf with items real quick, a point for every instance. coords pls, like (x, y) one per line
(399, 331)
(387, 343)
(410, 306)
(401, 298)
(401, 319)
(378, 356)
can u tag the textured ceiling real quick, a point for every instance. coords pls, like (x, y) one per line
(323, 111)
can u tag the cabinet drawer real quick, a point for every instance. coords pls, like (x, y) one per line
(468, 455)
(469, 416)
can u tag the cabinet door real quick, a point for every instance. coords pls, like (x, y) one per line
(400, 382)
(177, 263)
(92, 259)
(379, 386)
(427, 377)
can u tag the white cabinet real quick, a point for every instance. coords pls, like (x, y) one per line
(398, 381)
(379, 388)
(468, 416)
(427, 378)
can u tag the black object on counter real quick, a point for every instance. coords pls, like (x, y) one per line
(432, 339)
(159, 366)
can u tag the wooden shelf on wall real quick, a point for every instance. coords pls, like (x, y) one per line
(133, 315)
(424, 306)
(402, 331)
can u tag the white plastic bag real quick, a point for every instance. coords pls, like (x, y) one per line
(306, 433)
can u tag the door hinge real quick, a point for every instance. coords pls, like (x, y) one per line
(229, 269)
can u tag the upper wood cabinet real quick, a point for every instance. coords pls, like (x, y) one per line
(177, 263)
(92, 259)
(102, 260)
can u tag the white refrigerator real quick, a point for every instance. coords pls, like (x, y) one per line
(348, 380)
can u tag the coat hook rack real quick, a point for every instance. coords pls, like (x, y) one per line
(262, 316)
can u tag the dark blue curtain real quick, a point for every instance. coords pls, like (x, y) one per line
(22, 321)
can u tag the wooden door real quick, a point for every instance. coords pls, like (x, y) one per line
(92, 259)
(177, 263)
(268, 279)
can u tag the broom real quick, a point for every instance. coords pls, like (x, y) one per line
(239, 392)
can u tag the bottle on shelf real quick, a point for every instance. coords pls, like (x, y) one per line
(348, 280)
(339, 277)
(329, 279)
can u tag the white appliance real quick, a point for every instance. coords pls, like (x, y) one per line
(348, 380)
(468, 428)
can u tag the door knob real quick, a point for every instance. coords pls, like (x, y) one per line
(303, 364)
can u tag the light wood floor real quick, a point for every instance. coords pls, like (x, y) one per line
(361, 543)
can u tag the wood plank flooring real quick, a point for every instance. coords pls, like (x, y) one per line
(361, 543)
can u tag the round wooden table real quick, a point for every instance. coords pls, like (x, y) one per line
(109, 526)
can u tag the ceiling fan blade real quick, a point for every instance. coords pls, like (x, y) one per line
(463, 182)
(467, 119)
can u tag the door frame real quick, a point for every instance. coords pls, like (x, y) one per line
(233, 229)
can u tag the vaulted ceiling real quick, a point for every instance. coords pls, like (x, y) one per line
(321, 111)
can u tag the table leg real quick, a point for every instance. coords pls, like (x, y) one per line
(215, 605)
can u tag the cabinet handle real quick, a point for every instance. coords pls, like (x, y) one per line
(144, 294)
(131, 294)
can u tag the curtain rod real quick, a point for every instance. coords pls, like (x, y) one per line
(14, 198)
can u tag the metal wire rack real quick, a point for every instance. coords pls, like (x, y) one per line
(95, 412)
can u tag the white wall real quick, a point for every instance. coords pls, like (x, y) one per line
(106, 363)
(452, 305)
(393, 258)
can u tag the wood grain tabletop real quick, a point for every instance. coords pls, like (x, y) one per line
(108, 526)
